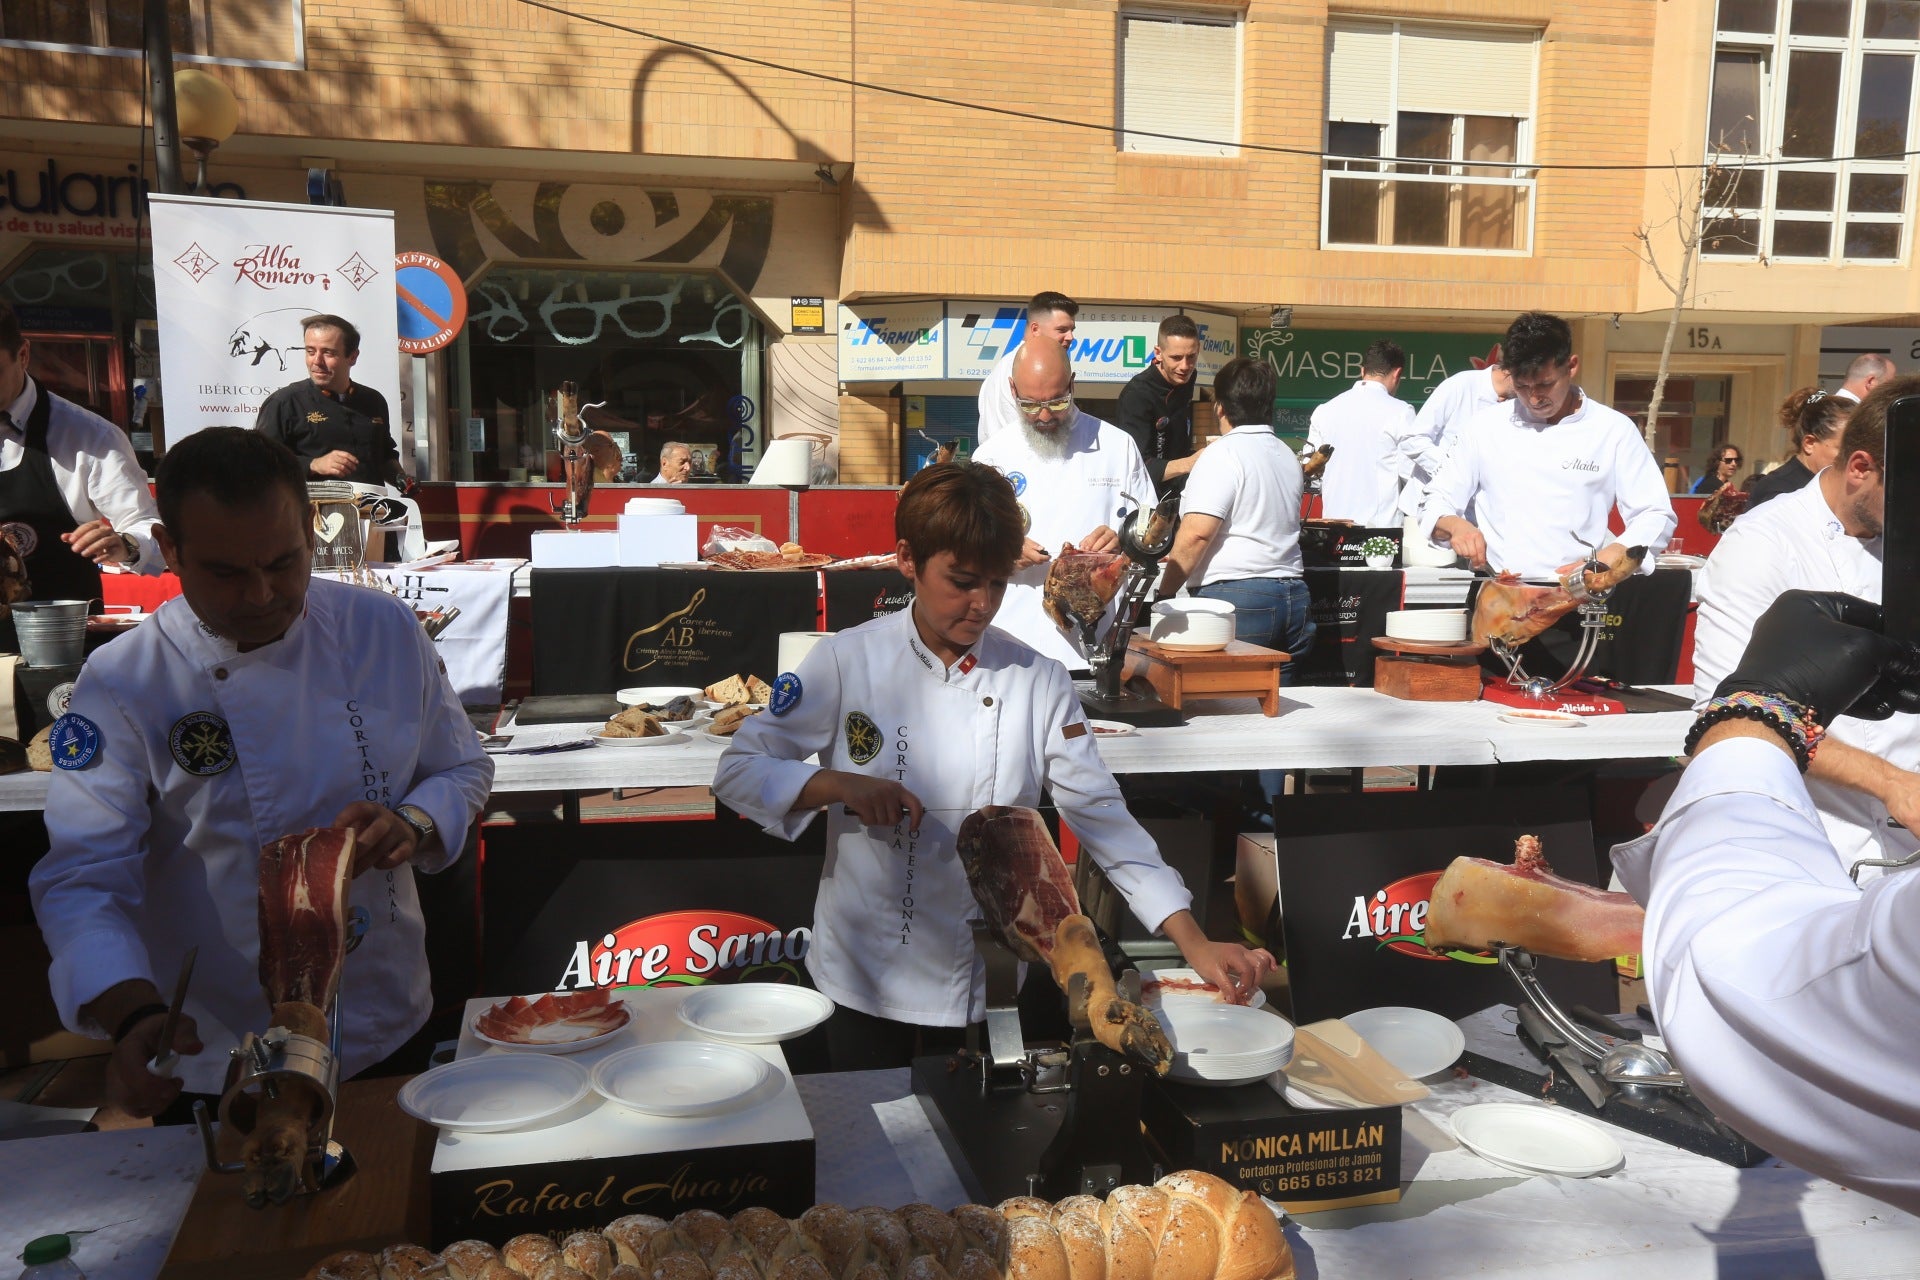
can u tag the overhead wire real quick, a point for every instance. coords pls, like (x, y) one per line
(915, 95)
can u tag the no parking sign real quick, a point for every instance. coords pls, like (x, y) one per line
(432, 301)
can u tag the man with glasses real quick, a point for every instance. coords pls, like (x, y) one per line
(1051, 316)
(1721, 472)
(1073, 476)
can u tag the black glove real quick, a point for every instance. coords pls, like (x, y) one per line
(1824, 651)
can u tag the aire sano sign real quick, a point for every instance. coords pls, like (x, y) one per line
(688, 948)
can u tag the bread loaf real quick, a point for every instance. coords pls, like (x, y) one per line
(1187, 1226)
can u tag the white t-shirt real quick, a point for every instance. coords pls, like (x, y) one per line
(1065, 499)
(1366, 426)
(94, 468)
(997, 411)
(1250, 482)
(1542, 492)
(1793, 543)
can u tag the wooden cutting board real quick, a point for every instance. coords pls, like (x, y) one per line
(1330, 1054)
(384, 1203)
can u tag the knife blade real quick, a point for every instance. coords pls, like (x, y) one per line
(1595, 1090)
(163, 1064)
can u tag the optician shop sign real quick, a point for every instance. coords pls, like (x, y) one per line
(890, 341)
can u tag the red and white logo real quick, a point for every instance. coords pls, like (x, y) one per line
(688, 948)
(1395, 917)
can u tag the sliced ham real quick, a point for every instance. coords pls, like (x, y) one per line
(1477, 903)
(554, 1018)
(303, 915)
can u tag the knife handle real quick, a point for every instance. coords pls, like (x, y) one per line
(163, 1065)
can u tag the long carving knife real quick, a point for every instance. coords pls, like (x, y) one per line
(163, 1064)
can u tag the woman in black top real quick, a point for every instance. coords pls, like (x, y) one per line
(1813, 419)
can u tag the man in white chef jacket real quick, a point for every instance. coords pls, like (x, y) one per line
(260, 704)
(1050, 316)
(1824, 536)
(1073, 476)
(1788, 994)
(1543, 471)
(1368, 428)
(1437, 425)
(902, 727)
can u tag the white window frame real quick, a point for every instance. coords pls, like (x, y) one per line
(1236, 19)
(299, 62)
(1853, 49)
(1389, 141)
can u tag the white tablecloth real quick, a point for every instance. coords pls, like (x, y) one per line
(1317, 729)
(474, 646)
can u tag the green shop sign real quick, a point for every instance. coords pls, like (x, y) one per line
(1315, 365)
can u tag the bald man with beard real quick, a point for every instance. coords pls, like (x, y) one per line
(1074, 477)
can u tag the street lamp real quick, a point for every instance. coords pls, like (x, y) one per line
(209, 114)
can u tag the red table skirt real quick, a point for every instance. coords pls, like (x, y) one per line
(138, 589)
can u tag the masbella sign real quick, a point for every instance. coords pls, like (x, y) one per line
(957, 339)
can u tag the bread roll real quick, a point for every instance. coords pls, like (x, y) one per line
(629, 1236)
(348, 1264)
(40, 750)
(589, 1253)
(758, 690)
(527, 1254)
(410, 1262)
(731, 690)
(626, 1271)
(556, 1268)
(466, 1259)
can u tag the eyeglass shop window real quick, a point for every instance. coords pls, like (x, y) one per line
(89, 317)
(656, 356)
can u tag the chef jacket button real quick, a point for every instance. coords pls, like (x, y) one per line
(986, 702)
(219, 673)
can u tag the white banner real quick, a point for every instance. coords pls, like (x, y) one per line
(464, 607)
(232, 281)
(888, 341)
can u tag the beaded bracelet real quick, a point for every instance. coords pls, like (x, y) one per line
(1793, 722)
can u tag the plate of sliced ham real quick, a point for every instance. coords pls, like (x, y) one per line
(553, 1023)
(1157, 986)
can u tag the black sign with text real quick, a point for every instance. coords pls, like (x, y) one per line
(855, 596)
(1356, 872)
(1350, 607)
(598, 630)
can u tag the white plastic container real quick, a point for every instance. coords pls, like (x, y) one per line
(648, 540)
(569, 549)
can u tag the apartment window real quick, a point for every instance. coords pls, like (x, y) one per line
(245, 32)
(1829, 82)
(1180, 75)
(1411, 108)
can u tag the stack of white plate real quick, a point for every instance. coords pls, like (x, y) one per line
(1224, 1044)
(1192, 623)
(655, 507)
(1435, 626)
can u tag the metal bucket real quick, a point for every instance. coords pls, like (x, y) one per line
(53, 633)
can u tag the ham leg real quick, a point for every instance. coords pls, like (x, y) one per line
(303, 946)
(1514, 612)
(1477, 903)
(1079, 587)
(1026, 892)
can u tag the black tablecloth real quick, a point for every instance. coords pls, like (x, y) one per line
(855, 596)
(597, 630)
(1350, 607)
(1640, 643)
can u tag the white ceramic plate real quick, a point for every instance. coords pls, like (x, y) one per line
(1416, 1041)
(495, 1092)
(1225, 1043)
(1536, 1139)
(671, 737)
(755, 1012)
(680, 1077)
(1110, 728)
(1544, 719)
(656, 695)
(717, 739)
(1153, 997)
(554, 1046)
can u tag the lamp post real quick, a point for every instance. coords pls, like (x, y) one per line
(209, 114)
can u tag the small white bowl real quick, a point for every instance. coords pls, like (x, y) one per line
(1192, 622)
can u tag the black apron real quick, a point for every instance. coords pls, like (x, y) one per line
(30, 500)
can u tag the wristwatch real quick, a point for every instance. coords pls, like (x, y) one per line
(133, 549)
(419, 820)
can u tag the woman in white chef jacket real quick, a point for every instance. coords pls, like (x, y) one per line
(917, 720)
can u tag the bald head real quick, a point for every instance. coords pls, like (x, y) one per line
(1042, 374)
(1868, 371)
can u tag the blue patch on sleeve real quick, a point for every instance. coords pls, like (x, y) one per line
(786, 694)
(75, 741)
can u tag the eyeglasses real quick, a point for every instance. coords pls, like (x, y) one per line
(1034, 408)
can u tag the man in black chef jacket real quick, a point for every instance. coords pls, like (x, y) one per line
(72, 495)
(1156, 406)
(338, 427)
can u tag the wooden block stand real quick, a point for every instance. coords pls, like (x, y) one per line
(1240, 670)
(385, 1202)
(1423, 671)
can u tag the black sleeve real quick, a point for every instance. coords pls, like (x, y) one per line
(1138, 412)
(277, 421)
(389, 460)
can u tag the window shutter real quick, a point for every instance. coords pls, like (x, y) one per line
(1360, 74)
(1180, 77)
(1482, 73)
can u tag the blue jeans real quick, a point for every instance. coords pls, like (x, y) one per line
(1274, 613)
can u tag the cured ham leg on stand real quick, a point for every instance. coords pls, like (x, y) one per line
(303, 947)
(1022, 884)
(1514, 612)
(1477, 903)
(1079, 587)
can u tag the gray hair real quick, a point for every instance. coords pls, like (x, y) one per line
(671, 445)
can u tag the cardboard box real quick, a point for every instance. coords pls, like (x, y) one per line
(1307, 1161)
(575, 549)
(601, 1161)
(1256, 890)
(647, 540)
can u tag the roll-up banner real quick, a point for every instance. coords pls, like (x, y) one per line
(232, 281)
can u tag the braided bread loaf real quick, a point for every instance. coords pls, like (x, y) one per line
(1187, 1226)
